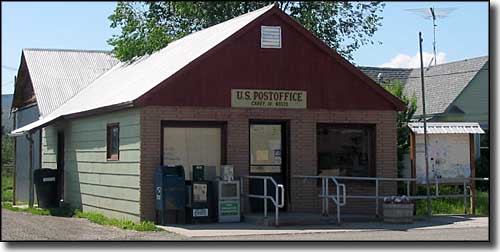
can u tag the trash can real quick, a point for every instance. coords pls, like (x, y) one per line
(46, 187)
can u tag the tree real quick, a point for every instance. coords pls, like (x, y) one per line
(7, 152)
(149, 26)
(396, 88)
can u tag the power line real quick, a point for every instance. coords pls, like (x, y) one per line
(9, 68)
(447, 74)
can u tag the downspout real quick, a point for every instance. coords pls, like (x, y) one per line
(14, 125)
(14, 138)
(29, 137)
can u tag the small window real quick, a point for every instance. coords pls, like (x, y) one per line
(270, 37)
(113, 141)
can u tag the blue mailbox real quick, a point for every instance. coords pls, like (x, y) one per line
(170, 195)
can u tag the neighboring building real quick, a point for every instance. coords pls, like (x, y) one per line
(455, 92)
(46, 79)
(258, 92)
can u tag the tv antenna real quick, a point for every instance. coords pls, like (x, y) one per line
(433, 13)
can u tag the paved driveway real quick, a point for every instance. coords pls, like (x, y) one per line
(23, 226)
(456, 228)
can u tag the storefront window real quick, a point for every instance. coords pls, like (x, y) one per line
(346, 150)
(188, 146)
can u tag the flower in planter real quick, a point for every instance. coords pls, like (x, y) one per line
(398, 200)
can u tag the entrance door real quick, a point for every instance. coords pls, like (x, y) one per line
(268, 157)
(60, 165)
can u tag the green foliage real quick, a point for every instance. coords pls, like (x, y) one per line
(396, 88)
(7, 188)
(149, 26)
(7, 153)
(38, 211)
(483, 163)
(454, 205)
(67, 211)
(123, 224)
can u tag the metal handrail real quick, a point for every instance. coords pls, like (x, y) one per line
(436, 182)
(325, 193)
(276, 202)
(336, 199)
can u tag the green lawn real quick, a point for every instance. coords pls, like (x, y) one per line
(123, 224)
(454, 205)
(31, 210)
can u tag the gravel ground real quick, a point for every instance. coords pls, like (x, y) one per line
(25, 226)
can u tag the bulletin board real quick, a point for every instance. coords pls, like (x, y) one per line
(449, 156)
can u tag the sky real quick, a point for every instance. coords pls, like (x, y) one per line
(85, 25)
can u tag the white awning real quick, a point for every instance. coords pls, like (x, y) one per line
(446, 128)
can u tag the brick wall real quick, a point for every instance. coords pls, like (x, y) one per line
(303, 156)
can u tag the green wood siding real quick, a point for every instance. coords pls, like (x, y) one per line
(49, 147)
(473, 101)
(93, 183)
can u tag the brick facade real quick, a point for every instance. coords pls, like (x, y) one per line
(302, 156)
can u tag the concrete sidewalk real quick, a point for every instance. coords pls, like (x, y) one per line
(245, 229)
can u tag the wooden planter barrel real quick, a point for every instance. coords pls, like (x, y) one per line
(398, 213)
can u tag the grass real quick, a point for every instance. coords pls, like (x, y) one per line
(454, 205)
(8, 205)
(93, 217)
(123, 224)
(67, 211)
(7, 188)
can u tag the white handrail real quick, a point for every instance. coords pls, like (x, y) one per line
(276, 202)
(325, 194)
(282, 203)
(340, 186)
(436, 182)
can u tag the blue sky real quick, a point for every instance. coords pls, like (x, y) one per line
(84, 25)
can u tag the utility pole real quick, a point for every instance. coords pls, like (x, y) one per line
(429, 207)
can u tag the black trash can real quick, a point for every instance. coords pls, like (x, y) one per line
(46, 187)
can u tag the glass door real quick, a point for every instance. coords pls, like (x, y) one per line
(267, 158)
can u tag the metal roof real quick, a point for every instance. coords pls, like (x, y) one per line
(127, 81)
(59, 74)
(447, 128)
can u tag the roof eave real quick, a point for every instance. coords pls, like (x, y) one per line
(107, 109)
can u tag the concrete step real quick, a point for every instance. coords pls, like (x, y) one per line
(290, 219)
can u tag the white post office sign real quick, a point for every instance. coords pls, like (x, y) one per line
(264, 98)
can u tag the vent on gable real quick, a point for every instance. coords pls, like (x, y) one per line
(270, 37)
